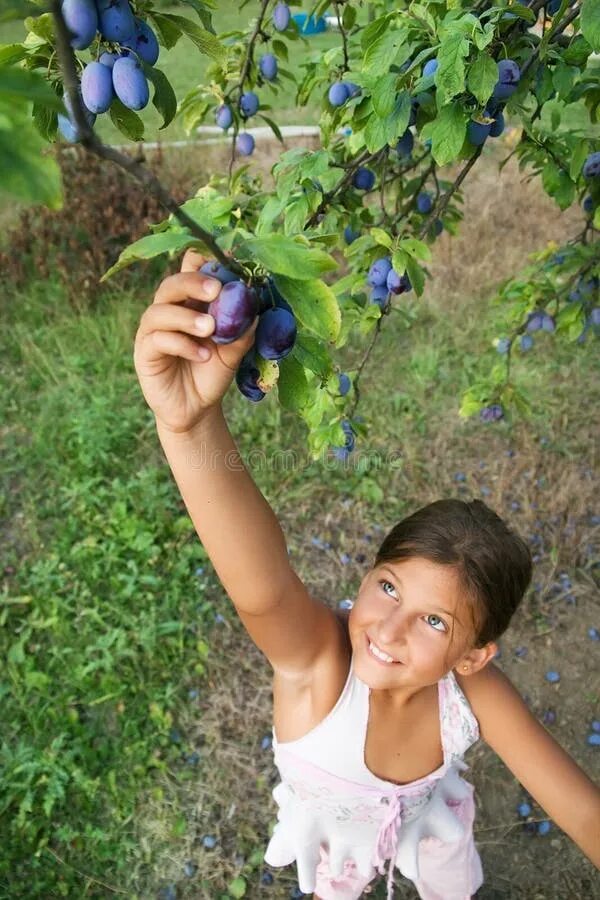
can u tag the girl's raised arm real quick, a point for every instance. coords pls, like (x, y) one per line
(545, 770)
(233, 520)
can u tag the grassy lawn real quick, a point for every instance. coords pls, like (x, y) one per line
(135, 708)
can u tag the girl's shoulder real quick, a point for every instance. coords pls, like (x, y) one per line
(298, 708)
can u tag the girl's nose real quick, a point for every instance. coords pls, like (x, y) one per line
(393, 628)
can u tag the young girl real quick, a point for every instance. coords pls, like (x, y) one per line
(373, 712)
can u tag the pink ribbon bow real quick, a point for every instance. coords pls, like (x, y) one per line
(387, 842)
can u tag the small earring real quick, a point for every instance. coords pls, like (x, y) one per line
(465, 668)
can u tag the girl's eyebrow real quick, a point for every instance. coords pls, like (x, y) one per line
(438, 608)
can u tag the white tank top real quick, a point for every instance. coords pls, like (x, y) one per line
(327, 795)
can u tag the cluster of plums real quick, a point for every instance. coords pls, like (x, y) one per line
(119, 74)
(384, 280)
(234, 311)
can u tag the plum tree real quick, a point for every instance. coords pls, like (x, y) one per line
(234, 311)
(401, 99)
(130, 83)
(97, 87)
(275, 333)
(116, 20)
(81, 18)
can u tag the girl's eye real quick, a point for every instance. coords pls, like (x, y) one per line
(442, 630)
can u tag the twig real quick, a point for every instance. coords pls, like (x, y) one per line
(91, 143)
(344, 36)
(110, 887)
(439, 210)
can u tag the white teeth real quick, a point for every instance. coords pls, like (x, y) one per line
(379, 653)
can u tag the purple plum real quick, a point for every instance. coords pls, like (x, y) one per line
(380, 296)
(497, 126)
(405, 145)
(216, 270)
(276, 333)
(281, 16)
(97, 87)
(245, 144)
(424, 202)
(247, 377)
(364, 179)
(67, 125)
(234, 311)
(249, 104)
(143, 42)
(268, 67)
(81, 18)
(130, 83)
(224, 116)
(116, 20)
(509, 75)
(477, 132)
(591, 167)
(430, 67)
(398, 284)
(338, 93)
(379, 271)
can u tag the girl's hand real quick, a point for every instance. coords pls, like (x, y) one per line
(179, 384)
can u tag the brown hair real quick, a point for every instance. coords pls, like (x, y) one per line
(493, 564)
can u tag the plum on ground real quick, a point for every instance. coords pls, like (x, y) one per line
(81, 18)
(97, 87)
(275, 334)
(234, 311)
(379, 271)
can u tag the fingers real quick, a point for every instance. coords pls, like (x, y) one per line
(185, 286)
(192, 260)
(171, 318)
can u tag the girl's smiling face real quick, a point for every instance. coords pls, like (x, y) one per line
(409, 611)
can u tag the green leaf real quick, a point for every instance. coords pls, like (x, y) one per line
(590, 23)
(292, 386)
(383, 95)
(126, 120)
(164, 99)
(557, 184)
(168, 32)
(416, 275)
(150, 246)
(237, 887)
(450, 76)
(399, 261)
(286, 256)
(12, 53)
(380, 132)
(206, 42)
(447, 133)
(381, 237)
(272, 125)
(416, 249)
(22, 85)
(482, 77)
(26, 174)
(312, 355)
(314, 306)
(382, 52)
